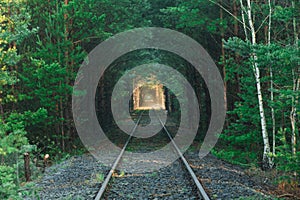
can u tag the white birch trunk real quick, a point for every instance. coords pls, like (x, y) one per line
(296, 83)
(272, 83)
(267, 161)
(243, 19)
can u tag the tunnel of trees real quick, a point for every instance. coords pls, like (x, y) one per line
(254, 44)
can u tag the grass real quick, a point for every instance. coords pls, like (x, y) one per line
(153, 174)
(99, 177)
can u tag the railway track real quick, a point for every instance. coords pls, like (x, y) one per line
(104, 187)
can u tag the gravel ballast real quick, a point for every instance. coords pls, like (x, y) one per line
(80, 177)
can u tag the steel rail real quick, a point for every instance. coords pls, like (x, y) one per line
(191, 172)
(108, 177)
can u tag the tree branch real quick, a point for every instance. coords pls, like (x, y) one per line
(226, 10)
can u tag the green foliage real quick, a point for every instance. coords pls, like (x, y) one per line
(12, 139)
(190, 15)
(287, 163)
(242, 138)
(14, 29)
(237, 157)
(199, 19)
(13, 143)
(8, 187)
(43, 43)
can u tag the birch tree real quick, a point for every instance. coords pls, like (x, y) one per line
(271, 82)
(296, 83)
(267, 160)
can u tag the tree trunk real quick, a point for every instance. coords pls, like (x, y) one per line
(296, 83)
(61, 107)
(271, 83)
(243, 11)
(65, 105)
(223, 60)
(27, 166)
(236, 33)
(267, 161)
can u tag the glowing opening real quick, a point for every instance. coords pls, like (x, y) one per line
(148, 97)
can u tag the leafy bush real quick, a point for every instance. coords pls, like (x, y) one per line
(8, 187)
(13, 143)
